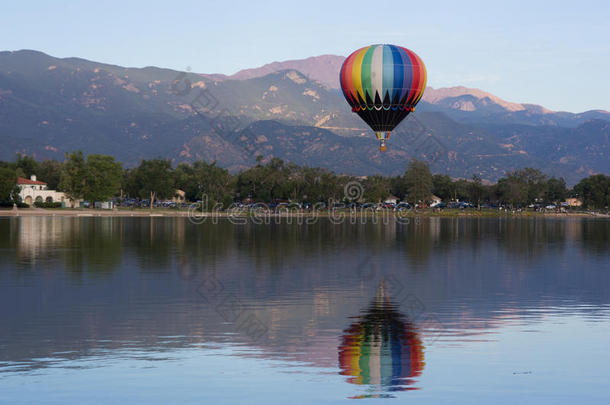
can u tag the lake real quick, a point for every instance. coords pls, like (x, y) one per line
(162, 310)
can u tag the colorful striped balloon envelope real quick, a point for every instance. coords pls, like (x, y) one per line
(382, 84)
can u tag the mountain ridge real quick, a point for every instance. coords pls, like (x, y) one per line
(49, 106)
(325, 69)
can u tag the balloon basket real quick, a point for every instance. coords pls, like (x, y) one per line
(382, 146)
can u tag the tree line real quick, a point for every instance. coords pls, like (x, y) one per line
(100, 177)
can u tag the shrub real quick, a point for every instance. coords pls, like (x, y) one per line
(47, 204)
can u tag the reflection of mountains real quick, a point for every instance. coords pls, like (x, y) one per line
(135, 279)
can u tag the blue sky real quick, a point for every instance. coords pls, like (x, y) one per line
(552, 53)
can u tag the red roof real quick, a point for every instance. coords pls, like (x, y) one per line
(21, 180)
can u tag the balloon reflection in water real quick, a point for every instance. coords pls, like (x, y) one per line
(381, 349)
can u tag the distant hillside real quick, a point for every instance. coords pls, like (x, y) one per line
(324, 69)
(460, 103)
(49, 106)
(476, 106)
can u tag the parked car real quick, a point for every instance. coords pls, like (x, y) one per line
(403, 206)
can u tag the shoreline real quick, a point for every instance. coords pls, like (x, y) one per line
(144, 213)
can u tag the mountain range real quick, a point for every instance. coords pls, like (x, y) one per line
(292, 110)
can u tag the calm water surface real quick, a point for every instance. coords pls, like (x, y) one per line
(161, 310)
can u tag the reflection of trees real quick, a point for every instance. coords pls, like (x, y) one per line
(8, 240)
(530, 237)
(381, 348)
(153, 241)
(92, 245)
(81, 244)
(595, 236)
(418, 238)
(161, 244)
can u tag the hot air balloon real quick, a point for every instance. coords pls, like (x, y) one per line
(382, 84)
(382, 349)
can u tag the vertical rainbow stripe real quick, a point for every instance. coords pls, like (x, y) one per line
(383, 77)
(382, 348)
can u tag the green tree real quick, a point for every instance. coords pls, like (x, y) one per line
(206, 179)
(522, 187)
(476, 190)
(153, 179)
(322, 185)
(185, 180)
(461, 190)
(294, 186)
(250, 183)
(8, 185)
(398, 186)
(594, 191)
(275, 174)
(49, 171)
(264, 183)
(443, 187)
(511, 190)
(556, 190)
(73, 175)
(536, 182)
(103, 177)
(26, 166)
(419, 182)
(376, 188)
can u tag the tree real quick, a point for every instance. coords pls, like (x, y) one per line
(419, 182)
(49, 171)
(522, 187)
(594, 191)
(398, 186)
(443, 187)
(275, 174)
(376, 188)
(322, 185)
(476, 190)
(536, 182)
(461, 190)
(73, 175)
(556, 190)
(185, 180)
(8, 185)
(153, 179)
(250, 183)
(264, 183)
(103, 177)
(294, 187)
(511, 190)
(206, 179)
(26, 166)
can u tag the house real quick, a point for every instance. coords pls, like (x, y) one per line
(574, 202)
(391, 200)
(179, 196)
(32, 190)
(435, 200)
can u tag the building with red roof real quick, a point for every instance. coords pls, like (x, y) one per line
(33, 190)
